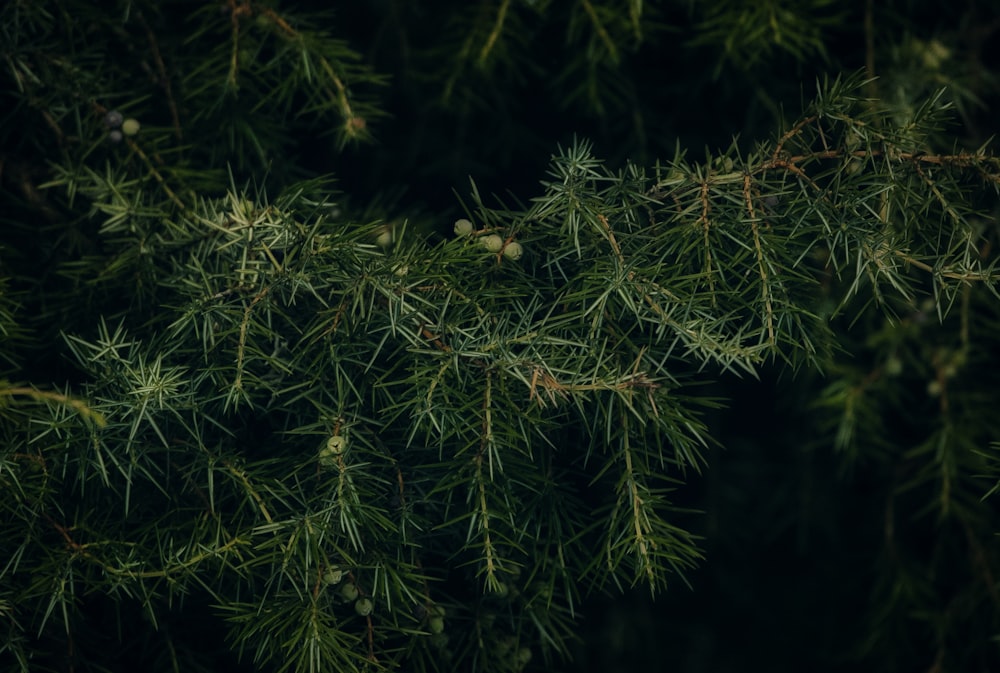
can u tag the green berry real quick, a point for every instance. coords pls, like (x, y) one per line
(385, 237)
(934, 54)
(513, 251)
(893, 366)
(364, 607)
(463, 227)
(333, 575)
(334, 447)
(130, 126)
(523, 657)
(336, 444)
(492, 243)
(436, 625)
(348, 591)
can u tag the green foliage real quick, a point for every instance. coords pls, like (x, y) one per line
(747, 33)
(247, 423)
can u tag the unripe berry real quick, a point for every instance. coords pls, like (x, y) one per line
(934, 53)
(384, 239)
(334, 447)
(893, 366)
(436, 625)
(463, 227)
(493, 243)
(513, 251)
(115, 136)
(364, 607)
(130, 126)
(348, 591)
(333, 575)
(336, 444)
(523, 657)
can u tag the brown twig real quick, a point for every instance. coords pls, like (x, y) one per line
(765, 288)
(706, 227)
(163, 77)
(241, 346)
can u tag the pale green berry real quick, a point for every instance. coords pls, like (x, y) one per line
(523, 657)
(513, 251)
(935, 388)
(241, 207)
(492, 243)
(336, 444)
(384, 239)
(332, 450)
(934, 54)
(348, 591)
(436, 625)
(893, 366)
(130, 126)
(364, 607)
(463, 227)
(333, 575)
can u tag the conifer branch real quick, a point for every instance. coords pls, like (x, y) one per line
(494, 34)
(765, 284)
(601, 31)
(353, 445)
